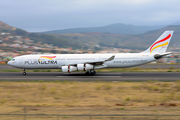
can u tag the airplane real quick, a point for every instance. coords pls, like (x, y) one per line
(90, 62)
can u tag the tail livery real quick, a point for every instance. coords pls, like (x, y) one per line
(161, 44)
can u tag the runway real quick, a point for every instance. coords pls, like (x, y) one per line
(153, 66)
(109, 77)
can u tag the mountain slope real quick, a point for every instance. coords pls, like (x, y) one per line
(5, 27)
(112, 29)
(141, 41)
(36, 37)
(82, 40)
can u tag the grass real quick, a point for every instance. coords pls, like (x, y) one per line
(89, 97)
(149, 97)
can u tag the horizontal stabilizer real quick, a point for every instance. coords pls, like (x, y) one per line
(158, 56)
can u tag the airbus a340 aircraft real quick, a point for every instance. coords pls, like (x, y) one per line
(91, 62)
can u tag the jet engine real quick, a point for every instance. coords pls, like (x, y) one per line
(85, 67)
(68, 68)
(81, 67)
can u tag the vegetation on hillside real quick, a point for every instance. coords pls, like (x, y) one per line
(44, 38)
(87, 40)
(140, 42)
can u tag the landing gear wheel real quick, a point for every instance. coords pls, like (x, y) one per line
(24, 73)
(90, 72)
(93, 72)
(87, 73)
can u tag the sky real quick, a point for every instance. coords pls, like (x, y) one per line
(44, 15)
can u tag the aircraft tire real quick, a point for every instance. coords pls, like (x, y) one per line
(24, 73)
(93, 73)
(87, 73)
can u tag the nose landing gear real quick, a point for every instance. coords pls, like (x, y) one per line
(24, 72)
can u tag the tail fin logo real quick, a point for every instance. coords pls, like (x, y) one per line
(153, 48)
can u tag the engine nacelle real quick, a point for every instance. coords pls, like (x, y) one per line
(89, 67)
(85, 67)
(68, 68)
(81, 67)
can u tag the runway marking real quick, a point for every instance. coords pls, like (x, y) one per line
(89, 76)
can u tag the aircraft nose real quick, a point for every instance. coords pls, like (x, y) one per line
(9, 63)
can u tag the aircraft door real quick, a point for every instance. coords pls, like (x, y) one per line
(143, 58)
(21, 62)
(140, 56)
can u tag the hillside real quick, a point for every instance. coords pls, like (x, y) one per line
(141, 41)
(90, 40)
(6, 27)
(118, 28)
(10, 31)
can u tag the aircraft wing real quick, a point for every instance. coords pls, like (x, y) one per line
(95, 62)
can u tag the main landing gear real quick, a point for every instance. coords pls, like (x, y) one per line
(90, 72)
(24, 72)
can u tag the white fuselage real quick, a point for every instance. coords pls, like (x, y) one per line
(90, 62)
(56, 61)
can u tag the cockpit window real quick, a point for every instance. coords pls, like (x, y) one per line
(13, 59)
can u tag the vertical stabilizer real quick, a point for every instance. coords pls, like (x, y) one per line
(161, 44)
